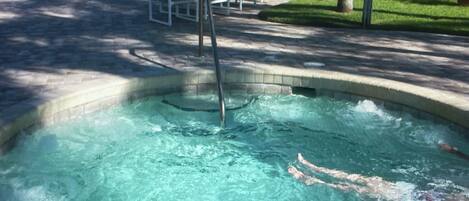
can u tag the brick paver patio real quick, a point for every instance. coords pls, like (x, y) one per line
(46, 47)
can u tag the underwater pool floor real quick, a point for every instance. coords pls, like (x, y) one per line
(149, 150)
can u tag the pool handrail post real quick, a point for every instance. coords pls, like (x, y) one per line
(366, 13)
(201, 27)
(213, 37)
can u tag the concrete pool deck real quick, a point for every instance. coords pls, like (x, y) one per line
(55, 49)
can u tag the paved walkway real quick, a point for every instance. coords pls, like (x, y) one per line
(48, 46)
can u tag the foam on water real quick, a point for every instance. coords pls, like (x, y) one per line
(368, 106)
(149, 150)
(19, 192)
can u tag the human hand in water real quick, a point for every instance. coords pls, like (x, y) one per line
(446, 147)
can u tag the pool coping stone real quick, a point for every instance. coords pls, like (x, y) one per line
(98, 94)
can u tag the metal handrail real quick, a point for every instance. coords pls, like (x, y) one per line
(213, 37)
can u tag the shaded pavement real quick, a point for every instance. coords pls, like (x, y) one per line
(46, 47)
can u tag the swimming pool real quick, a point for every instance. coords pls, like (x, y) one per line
(149, 150)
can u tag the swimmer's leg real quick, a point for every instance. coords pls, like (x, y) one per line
(335, 173)
(350, 187)
(309, 180)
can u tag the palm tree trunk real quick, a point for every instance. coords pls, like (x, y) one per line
(463, 2)
(344, 6)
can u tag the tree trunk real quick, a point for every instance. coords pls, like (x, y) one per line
(463, 2)
(344, 6)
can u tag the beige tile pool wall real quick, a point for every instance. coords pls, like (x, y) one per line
(93, 96)
(447, 106)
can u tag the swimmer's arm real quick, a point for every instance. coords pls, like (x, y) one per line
(460, 154)
(453, 150)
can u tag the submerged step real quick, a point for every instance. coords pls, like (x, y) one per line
(207, 103)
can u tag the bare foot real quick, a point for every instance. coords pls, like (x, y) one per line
(300, 158)
(308, 180)
(307, 163)
(296, 173)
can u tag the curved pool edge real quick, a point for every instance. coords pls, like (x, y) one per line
(92, 96)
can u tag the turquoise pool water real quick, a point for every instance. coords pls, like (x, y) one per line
(149, 150)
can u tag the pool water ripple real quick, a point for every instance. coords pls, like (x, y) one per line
(149, 150)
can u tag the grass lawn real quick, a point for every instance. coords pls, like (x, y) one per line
(437, 16)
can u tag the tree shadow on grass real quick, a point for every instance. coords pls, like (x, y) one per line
(433, 17)
(305, 15)
(323, 15)
(434, 27)
(432, 2)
